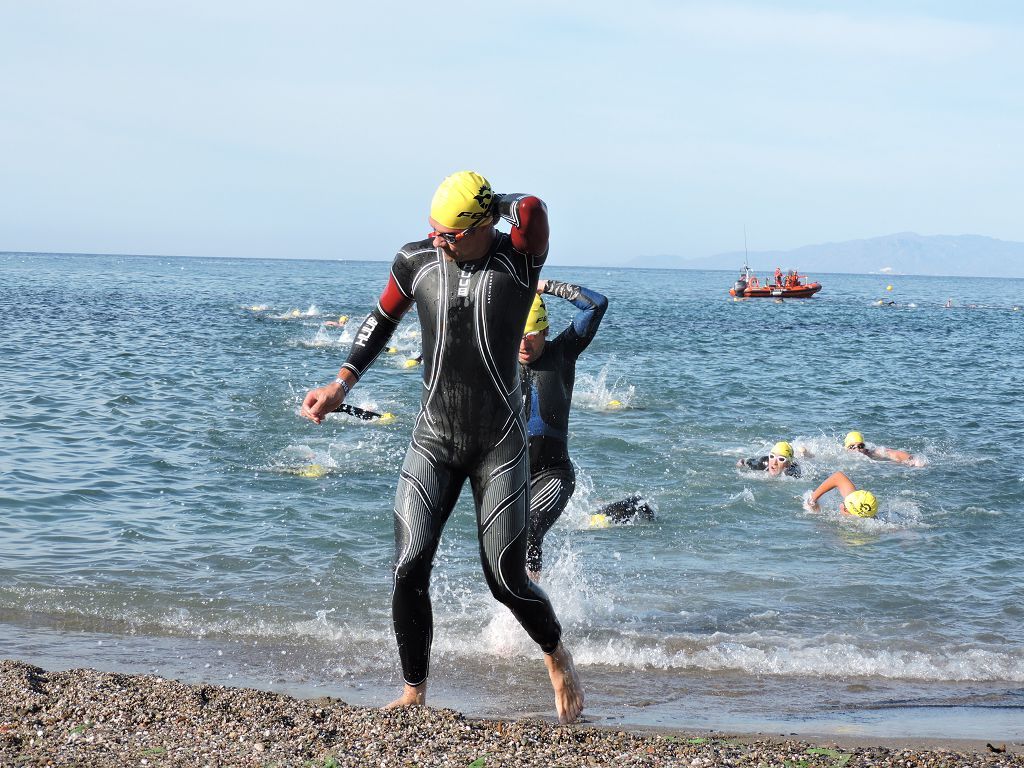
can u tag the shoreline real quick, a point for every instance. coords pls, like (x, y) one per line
(701, 702)
(85, 717)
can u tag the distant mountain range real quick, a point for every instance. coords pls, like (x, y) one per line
(905, 253)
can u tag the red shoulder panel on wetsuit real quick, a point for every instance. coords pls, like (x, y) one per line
(531, 236)
(393, 301)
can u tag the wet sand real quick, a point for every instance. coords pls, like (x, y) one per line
(87, 718)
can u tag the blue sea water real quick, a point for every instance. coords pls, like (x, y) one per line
(164, 509)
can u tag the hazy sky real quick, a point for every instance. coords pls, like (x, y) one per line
(320, 129)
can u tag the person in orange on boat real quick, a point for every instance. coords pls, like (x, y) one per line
(779, 461)
(855, 442)
(778, 276)
(855, 503)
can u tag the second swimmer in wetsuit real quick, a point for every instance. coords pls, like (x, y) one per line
(472, 287)
(549, 372)
(778, 462)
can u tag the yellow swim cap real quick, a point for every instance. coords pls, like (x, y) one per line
(852, 439)
(599, 521)
(462, 200)
(537, 320)
(861, 504)
(312, 470)
(386, 418)
(783, 448)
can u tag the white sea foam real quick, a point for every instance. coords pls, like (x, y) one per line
(766, 655)
(326, 337)
(821, 656)
(746, 496)
(469, 623)
(297, 314)
(594, 393)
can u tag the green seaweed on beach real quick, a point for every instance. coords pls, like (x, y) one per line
(480, 762)
(697, 740)
(842, 758)
(78, 730)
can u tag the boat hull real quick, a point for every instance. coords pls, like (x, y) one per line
(775, 292)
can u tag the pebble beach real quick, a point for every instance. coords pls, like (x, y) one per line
(82, 717)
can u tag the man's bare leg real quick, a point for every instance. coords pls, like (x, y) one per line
(411, 695)
(566, 683)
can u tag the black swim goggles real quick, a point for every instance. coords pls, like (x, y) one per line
(856, 447)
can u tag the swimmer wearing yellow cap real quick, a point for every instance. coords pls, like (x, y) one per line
(779, 461)
(855, 503)
(548, 369)
(472, 286)
(854, 441)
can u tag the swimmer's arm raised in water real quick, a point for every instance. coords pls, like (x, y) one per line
(835, 481)
(591, 305)
(371, 339)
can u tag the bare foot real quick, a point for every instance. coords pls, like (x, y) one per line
(411, 696)
(565, 681)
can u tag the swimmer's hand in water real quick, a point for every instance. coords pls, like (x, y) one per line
(809, 505)
(321, 401)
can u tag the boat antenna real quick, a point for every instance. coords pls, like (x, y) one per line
(746, 265)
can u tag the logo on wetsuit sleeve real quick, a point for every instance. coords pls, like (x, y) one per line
(365, 331)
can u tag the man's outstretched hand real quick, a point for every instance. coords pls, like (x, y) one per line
(321, 401)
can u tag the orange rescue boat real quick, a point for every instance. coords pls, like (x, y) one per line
(788, 286)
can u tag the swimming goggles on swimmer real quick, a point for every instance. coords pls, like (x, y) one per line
(453, 237)
(856, 447)
(777, 457)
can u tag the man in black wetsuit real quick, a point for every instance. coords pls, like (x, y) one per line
(472, 286)
(548, 369)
